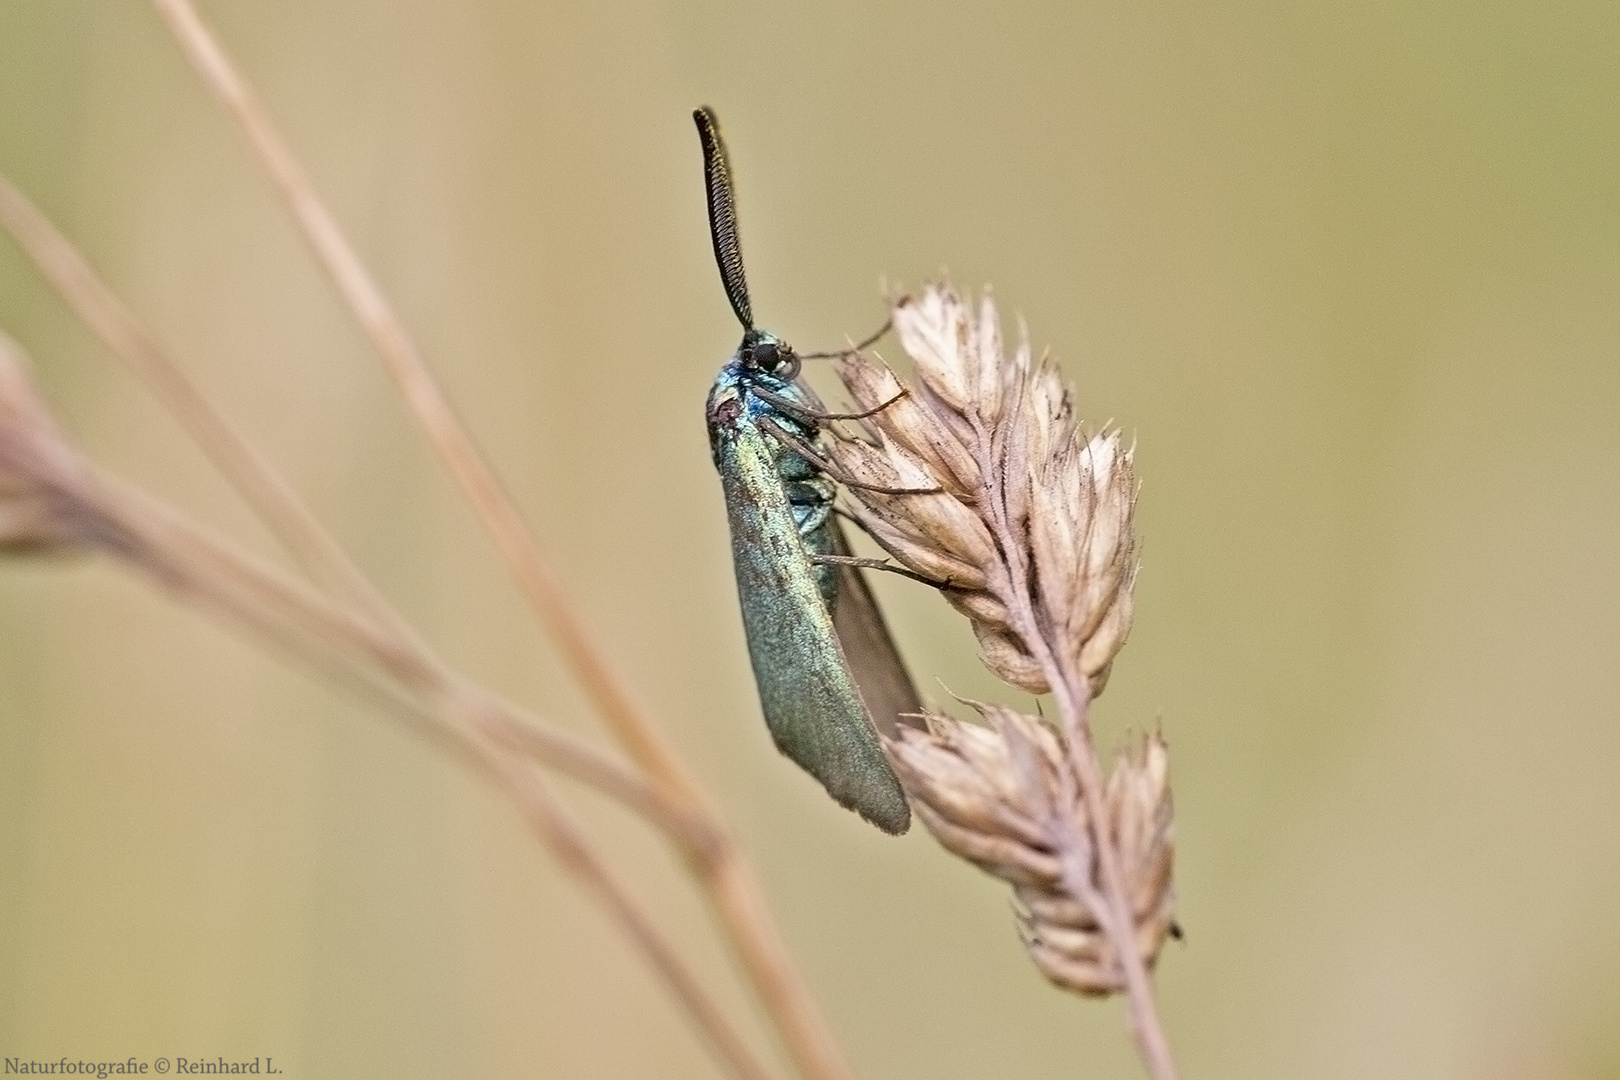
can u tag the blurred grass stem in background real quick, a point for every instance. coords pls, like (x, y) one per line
(674, 802)
(84, 512)
(718, 862)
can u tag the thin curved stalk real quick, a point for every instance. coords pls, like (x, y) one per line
(720, 866)
(208, 574)
(264, 490)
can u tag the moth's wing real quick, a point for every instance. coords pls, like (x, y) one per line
(811, 704)
(875, 663)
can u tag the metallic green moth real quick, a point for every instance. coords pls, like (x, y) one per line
(825, 665)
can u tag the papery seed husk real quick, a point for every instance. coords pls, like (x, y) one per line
(918, 555)
(935, 518)
(981, 606)
(1088, 978)
(965, 773)
(1095, 601)
(1051, 907)
(1053, 544)
(1012, 454)
(1074, 943)
(908, 422)
(1153, 890)
(1004, 655)
(946, 415)
(960, 792)
(934, 332)
(1007, 859)
(1101, 646)
(869, 382)
(1035, 759)
(987, 372)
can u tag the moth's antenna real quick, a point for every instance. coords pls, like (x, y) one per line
(888, 324)
(723, 215)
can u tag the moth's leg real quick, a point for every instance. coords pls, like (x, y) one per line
(888, 324)
(878, 564)
(798, 411)
(803, 448)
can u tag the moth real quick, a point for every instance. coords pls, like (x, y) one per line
(828, 673)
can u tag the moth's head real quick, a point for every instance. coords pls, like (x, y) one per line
(764, 351)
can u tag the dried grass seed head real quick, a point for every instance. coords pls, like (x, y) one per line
(1033, 520)
(1005, 797)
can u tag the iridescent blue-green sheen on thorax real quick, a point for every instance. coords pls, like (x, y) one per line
(808, 492)
(780, 509)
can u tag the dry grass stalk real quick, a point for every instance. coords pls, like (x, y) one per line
(980, 479)
(25, 425)
(718, 864)
(262, 487)
(1004, 798)
(53, 502)
(35, 518)
(1021, 491)
(426, 400)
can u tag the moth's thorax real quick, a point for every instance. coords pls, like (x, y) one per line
(771, 424)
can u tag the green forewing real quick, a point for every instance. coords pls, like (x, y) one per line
(812, 706)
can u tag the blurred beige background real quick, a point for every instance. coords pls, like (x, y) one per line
(1349, 273)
